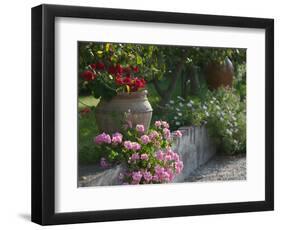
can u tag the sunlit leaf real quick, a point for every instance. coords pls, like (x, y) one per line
(107, 46)
(139, 60)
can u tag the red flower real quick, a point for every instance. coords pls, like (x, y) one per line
(118, 80)
(127, 69)
(127, 80)
(88, 75)
(119, 69)
(139, 83)
(136, 69)
(100, 65)
(112, 70)
(93, 66)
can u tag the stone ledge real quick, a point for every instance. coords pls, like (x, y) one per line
(195, 149)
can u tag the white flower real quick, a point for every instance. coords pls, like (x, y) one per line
(212, 102)
(178, 109)
(207, 114)
(189, 105)
(178, 123)
(180, 98)
(175, 117)
(191, 102)
(204, 107)
(228, 132)
(181, 104)
(180, 114)
(218, 107)
(172, 102)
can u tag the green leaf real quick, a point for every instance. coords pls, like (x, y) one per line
(139, 60)
(107, 46)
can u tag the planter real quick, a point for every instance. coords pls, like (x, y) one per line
(219, 75)
(124, 109)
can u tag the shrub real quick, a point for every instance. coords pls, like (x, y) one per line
(223, 113)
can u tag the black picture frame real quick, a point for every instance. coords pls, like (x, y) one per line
(43, 110)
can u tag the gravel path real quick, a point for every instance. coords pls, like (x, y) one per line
(221, 168)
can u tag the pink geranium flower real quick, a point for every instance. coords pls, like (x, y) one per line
(153, 135)
(147, 176)
(140, 128)
(145, 139)
(102, 138)
(178, 133)
(135, 146)
(117, 138)
(160, 155)
(137, 176)
(135, 156)
(158, 124)
(165, 124)
(128, 145)
(167, 133)
(144, 156)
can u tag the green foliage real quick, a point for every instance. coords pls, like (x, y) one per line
(87, 130)
(223, 113)
(227, 121)
(147, 57)
(201, 56)
(239, 82)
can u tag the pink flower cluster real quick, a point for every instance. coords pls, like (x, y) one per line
(153, 135)
(140, 128)
(178, 133)
(102, 138)
(106, 139)
(146, 154)
(168, 166)
(145, 139)
(130, 145)
(117, 138)
(162, 124)
(167, 133)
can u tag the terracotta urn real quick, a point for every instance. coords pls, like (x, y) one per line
(124, 110)
(219, 75)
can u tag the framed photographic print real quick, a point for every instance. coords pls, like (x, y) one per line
(143, 114)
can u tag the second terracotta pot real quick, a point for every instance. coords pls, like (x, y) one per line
(219, 75)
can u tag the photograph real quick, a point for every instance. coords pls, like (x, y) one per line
(140, 114)
(158, 114)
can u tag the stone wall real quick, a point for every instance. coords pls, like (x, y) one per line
(194, 147)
